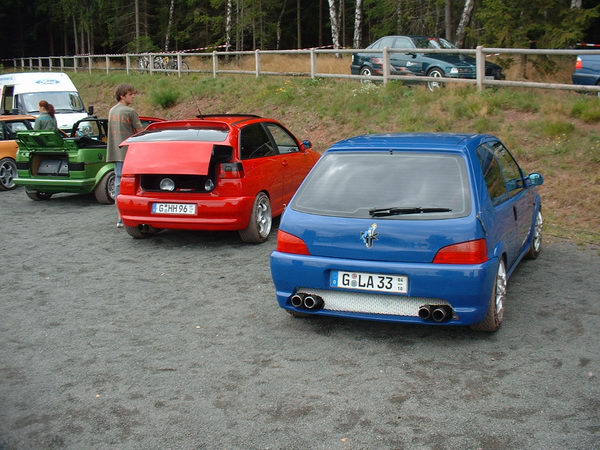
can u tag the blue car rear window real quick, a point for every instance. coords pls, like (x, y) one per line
(349, 184)
(182, 134)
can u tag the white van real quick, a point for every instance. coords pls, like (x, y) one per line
(22, 92)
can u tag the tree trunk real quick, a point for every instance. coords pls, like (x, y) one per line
(169, 25)
(228, 20)
(399, 16)
(464, 21)
(576, 4)
(279, 19)
(137, 26)
(357, 41)
(81, 37)
(298, 26)
(448, 19)
(335, 23)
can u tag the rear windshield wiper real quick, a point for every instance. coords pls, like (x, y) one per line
(395, 211)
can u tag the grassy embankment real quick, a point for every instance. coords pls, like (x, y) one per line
(555, 133)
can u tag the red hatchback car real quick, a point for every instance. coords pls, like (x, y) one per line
(220, 172)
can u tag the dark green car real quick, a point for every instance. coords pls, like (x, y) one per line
(420, 64)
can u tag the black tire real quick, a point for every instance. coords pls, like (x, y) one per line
(37, 195)
(105, 190)
(185, 66)
(434, 85)
(536, 239)
(495, 313)
(261, 221)
(366, 71)
(8, 173)
(141, 231)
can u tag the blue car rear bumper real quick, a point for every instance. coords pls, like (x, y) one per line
(466, 288)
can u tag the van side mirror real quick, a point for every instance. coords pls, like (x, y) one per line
(91, 110)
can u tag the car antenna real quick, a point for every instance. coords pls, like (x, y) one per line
(199, 115)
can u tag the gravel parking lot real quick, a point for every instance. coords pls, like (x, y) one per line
(178, 342)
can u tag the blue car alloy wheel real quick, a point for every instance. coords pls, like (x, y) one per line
(414, 228)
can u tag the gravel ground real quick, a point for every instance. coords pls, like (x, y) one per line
(178, 342)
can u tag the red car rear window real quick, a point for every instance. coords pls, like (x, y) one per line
(205, 134)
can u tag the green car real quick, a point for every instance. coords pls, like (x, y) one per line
(49, 163)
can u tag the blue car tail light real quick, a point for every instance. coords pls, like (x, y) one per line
(288, 243)
(469, 252)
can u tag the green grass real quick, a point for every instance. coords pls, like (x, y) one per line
(551, 132)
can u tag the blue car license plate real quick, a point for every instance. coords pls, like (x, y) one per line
(377, 282)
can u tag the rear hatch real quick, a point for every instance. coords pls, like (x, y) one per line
(384, 206)
(178, 156)
(48, 153)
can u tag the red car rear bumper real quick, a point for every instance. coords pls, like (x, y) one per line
(212, 213)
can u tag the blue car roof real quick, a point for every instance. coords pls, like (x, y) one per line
(410, 141)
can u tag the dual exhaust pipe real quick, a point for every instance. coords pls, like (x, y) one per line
(308, 301)
(437, 313)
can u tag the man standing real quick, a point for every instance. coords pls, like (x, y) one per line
(123, 121)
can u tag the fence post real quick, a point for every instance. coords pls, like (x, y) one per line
(50, 64)
(30, 63)
(386, 64)
(215, 64)
(40, 64)
(480, 67)
(313, 63)
(107, 64)
(151, 63)
(62, 63)
(75, 63)
(179, 65)
(127, 63)
(257, 62)
(90, 65)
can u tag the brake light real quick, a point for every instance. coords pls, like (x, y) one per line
(470, 252)
(579, 63)
(231, 170)
(288, 243)
(127, 185)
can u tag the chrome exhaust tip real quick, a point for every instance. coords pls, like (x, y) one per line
(297, 300)
(441, 313)
(313, 302)
(425, 312)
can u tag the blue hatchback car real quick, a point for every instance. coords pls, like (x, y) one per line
(417, 228)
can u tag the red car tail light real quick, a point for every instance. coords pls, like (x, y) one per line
(579, 63)
(127, 185)
(288, 243)
(470, 252)
(231, 170)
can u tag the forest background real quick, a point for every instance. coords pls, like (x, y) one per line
(67, 27)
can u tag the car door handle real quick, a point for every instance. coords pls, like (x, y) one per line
(515, 212)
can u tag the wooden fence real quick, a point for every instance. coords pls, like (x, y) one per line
(175, 63)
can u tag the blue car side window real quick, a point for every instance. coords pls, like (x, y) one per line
(492, 175)
(511, 171)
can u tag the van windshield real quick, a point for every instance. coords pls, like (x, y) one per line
(64, 102)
